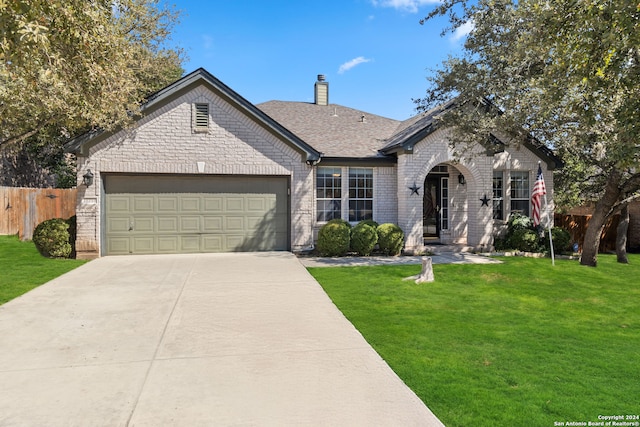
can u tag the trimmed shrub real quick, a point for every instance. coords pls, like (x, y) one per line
(524, 239)
(363, 239)
(333, 238)
(561, 240)
(340, 221)
(51, 237)
(370, 222)
(390, 239)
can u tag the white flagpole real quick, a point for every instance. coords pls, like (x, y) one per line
(546, 207)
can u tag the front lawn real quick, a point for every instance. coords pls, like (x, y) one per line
(22, 268)
(519, 343)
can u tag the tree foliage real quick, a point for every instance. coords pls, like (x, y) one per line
(67, 66)
(563, 73)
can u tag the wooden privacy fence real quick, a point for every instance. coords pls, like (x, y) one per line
(576, 225)
(23, 209)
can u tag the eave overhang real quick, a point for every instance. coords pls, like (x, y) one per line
(359, 161)
(406, 145)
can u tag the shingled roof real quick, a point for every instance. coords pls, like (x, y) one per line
(334, 130)
(414, 129)
(338, 131)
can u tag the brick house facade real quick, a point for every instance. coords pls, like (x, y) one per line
(205, 170)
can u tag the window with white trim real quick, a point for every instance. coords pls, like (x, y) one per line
(360, 194)
(498, 195)
(520, 192)
(328, 193)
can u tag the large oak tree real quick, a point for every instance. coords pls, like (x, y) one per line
(67, 66)
(563, 72)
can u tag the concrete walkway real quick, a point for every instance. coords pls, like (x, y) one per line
(192, 340)
(440, 258)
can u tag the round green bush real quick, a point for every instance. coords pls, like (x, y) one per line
(370, 222)
(561, 240)
(51, 237)
(363, 239)
(340, 221)
(390, 239)
(333, 238)
(525, 240)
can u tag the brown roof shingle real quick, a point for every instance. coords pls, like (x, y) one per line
(334, 130)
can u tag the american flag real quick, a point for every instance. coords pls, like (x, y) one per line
(539, 190)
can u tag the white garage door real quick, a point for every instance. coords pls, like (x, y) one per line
(146, 214)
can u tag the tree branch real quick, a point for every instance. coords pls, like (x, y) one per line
(622, 203)
(16, 139)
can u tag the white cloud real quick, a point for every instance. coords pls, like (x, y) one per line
(350, 64)
(462, 31)
(405, 5)
(207, 42)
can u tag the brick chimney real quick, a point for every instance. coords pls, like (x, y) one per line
(321, 91)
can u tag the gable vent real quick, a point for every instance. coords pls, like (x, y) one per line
(201, 117)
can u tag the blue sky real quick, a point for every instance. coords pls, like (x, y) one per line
(374, 53)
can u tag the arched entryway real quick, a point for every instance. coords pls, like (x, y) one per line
(457, 213)
(444, 205)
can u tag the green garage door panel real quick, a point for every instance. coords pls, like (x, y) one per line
(187, 214)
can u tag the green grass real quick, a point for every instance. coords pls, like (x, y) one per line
(519, 343)
(22, 268)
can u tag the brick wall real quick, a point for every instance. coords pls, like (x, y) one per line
(471, 222)
(385, 195)
(164, 142)
(522, 159)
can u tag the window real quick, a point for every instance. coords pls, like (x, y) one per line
(360, 194)
(330, 198)
(520, 192)
(201, 117)
(498, 195)
(444, 200)
(440, 169)
(328, 193)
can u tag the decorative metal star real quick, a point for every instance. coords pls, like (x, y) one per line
(485, 201)
(414, 189)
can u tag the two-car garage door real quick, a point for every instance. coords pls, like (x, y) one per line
(186, 214)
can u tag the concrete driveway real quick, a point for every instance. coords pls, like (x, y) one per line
(246, 339)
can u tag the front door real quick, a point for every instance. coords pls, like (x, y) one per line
(432, 207)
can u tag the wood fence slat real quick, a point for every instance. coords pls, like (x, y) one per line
(576, 225)
(22, 209)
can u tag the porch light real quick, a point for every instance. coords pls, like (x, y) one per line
(461, 179)
(87, 178)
